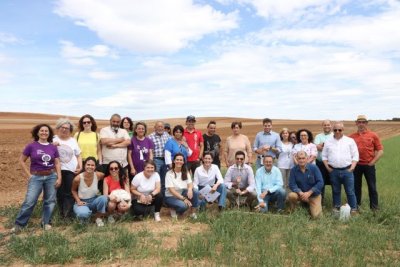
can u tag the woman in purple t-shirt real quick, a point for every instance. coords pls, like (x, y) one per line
(140, 149)
(44, 175)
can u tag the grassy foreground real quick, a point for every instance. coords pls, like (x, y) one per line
(235, 237)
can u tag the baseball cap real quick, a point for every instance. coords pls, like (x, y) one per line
(191, 118)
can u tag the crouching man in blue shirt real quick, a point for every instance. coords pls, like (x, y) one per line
(306, 183)
(269, 186)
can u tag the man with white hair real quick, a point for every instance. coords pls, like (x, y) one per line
(340, 156)
(306, 183)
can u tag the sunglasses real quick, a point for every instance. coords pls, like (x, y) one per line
(239, 158)
(337, 130)
(114, 168)
(86, 122)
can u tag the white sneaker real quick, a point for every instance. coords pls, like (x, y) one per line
(173, 214)
(99, 222)
(193, 216)
(47, 227)
(110, 219)
(157, 217)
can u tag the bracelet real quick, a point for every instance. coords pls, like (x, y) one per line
(184, 198)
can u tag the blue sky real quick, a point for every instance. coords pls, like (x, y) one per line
(309, 59)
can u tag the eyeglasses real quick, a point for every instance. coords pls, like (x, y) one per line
(337, 130)
(86, 122)
(239, 158)
(362, 122)
(114, 168)
(293, 137)
(65, 128)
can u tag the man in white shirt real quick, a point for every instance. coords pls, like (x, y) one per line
(340, 157)
(239, 180)
(114, 142)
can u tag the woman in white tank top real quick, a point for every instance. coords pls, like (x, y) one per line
(84, 191)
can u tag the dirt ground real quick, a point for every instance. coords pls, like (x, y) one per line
(15, 134)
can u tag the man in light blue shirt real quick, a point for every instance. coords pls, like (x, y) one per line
(269, 185)
(267, 142)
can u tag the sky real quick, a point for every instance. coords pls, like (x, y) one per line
(286, 59)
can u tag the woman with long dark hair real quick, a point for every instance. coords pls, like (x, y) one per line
(84, 191)
(44, 175)
(179, 193)
(115, 181)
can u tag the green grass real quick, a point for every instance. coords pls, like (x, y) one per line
(235, 238)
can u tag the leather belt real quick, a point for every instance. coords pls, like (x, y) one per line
(43, 173)
(340, 169)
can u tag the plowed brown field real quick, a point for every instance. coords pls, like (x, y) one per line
(15, 134)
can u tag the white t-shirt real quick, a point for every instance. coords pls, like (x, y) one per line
(68, 150)
(285, 159)
(176, 182)
(146, 185)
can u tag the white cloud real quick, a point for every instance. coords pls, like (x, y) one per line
(103, 75)
(375, 34)
(292, 10)
(8, 38)
(84, 57)
(154, 26)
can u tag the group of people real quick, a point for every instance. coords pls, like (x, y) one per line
(123, 169)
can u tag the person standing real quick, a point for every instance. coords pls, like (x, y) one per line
(44, 175)
(114, 142)
(195, 141)
(140, 149)
(340, 156)
(71, 165)
(237, 142)
(305, 138)
(88, 139)
(319, 142)
(370, 150)
(267, 142)
(212, 143)
(285, 159)
(160, 138)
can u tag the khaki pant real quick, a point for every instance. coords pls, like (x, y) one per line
(314, 202)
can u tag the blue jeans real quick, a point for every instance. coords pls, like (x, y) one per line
(221, 189)
(94, 204)
(178, 205)
(161, 168)
(36, 185)
(339, 177)
(279, 196)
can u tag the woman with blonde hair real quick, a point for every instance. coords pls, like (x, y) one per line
(71, 165)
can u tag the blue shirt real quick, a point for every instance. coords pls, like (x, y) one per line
(272, 139)
(303, 182)
(174, 148)
(270, 181)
